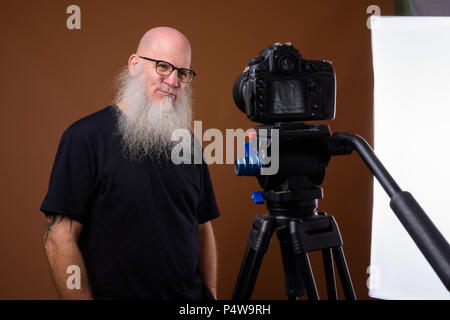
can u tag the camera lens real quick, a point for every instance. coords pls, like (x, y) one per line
(287, 64)
(237, 93)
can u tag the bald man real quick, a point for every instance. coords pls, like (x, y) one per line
(124, 221)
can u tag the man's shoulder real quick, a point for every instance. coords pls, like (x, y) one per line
(93, 123)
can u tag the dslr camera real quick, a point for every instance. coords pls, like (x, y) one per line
(280, 86)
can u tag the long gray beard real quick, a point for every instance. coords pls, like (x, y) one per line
(147, 127)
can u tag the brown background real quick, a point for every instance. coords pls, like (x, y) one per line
(52, 76)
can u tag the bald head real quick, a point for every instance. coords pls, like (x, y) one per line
(164, 41)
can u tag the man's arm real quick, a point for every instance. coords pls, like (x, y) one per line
(62, 251)
(208, 257)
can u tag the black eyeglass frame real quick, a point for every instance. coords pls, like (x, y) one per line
(173, 68)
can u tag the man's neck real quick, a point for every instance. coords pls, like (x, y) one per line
(122, 106)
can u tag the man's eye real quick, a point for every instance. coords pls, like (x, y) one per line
(163, 66)
(183, 74)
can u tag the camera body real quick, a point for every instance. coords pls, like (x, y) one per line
(280, 86)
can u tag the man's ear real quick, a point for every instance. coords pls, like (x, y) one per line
(132, 64)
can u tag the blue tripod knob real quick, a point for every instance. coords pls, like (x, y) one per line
(258, 197)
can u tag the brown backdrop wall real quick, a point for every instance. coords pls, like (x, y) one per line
(52, 76)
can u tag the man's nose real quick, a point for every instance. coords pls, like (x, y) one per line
(172, 79)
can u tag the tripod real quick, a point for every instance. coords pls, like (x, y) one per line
(298, 234)
(292, 196)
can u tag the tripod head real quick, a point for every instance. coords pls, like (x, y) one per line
(304, 151)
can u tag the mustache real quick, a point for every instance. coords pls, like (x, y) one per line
(167, 89)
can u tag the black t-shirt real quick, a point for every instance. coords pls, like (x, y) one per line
(140, 219)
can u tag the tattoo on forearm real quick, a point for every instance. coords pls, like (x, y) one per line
(51, 221)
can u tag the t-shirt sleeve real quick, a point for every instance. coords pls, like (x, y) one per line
(71, 185)
(208, 209)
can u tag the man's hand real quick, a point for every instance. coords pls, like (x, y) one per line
(60, 242)
(208, 257)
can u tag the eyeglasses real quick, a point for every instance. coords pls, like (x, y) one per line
(165, 68)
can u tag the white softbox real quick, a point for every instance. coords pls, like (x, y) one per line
(411, 62)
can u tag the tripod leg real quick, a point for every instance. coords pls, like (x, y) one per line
(329, 274)
(344, 275)
(247, 275)
(297, 235)
(293, 283)
(258, 243)
(306, 271)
